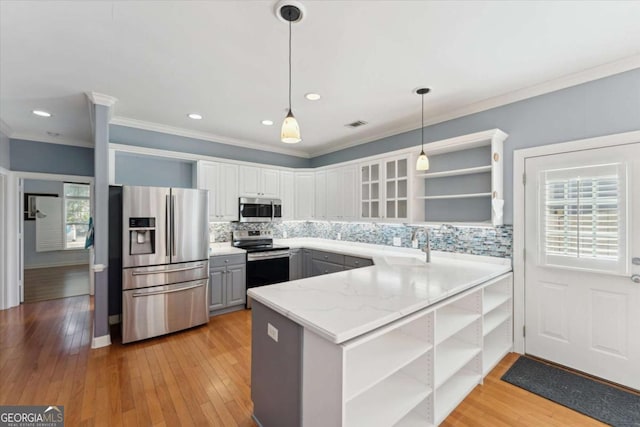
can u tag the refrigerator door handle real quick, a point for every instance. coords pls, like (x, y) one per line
(167, 235)
(173, 270)
(173, 225)
(169, 291)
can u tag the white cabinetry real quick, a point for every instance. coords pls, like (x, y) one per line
(385, 189)
(304, 195)
(340, 197)
(221, 179)
(416, 370)
(320, 195)
(464, 183)
(287, 194)
(259, 182)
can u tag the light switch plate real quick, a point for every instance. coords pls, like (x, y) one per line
(272, 331)
(414, 244)
(284, 234)
(397, 241)
(339, 236)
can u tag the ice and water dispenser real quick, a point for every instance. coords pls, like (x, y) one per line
(142, 236)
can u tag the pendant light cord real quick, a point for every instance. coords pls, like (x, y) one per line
(289, 66)
(422, 127)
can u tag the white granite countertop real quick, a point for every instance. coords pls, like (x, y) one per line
(347, 304)
(224, 248)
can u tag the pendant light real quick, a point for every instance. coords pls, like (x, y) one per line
(290, 133)
(422, 164)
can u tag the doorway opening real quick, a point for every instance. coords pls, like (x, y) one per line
(55, 224)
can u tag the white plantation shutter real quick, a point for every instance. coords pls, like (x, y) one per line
(583, 218)
(49, 236)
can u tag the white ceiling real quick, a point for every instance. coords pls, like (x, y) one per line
(227, 60)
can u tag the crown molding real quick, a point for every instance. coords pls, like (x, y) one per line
(51, 140)
(5, 128)
(569, 80)
(101, 99)
(157, 127)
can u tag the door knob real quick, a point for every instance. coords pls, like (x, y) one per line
(635, 278)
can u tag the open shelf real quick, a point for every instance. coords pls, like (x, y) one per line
(493, 300)
(453, 392)
(494, 319)
(454, 196)
(451, 319)
(451, 356)
(496, 345)
(420, 416)
(456, 172)
(392, 399)
(375, 360)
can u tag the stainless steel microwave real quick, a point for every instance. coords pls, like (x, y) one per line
(259, 209)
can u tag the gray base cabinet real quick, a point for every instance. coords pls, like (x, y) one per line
(227, 282)
(295, 264)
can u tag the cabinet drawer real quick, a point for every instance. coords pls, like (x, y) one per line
(329, 257)
(356, 262)
(321, 267)
(222, 260)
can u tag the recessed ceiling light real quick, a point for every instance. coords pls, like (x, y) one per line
(312, 96)
(53, 134)
(41, 113)
(195, 116)
(267, 122)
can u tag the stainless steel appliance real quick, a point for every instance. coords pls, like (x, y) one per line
(259, 209)
(266, 263)
(165, 245)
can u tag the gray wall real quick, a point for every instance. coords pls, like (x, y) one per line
(34, 259)
(134, 169)
(144, 138)
(4, 151)
(32, 156)
(600, 107)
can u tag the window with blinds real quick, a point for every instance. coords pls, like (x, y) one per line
(583, 217)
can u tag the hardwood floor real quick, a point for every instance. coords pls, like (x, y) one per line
(42, 284)
(199, 377)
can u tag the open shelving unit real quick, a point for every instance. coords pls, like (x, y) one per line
(414, 371)
(465, 178)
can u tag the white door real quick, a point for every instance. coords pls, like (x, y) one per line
(582, 231)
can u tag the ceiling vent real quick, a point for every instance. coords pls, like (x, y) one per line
(356, 124)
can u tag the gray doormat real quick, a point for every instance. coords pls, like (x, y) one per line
(603, 402)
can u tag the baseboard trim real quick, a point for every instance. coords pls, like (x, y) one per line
(114, 319)
(57, 264)
(102, 341)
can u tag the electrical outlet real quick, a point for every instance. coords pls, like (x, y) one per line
(414, 244)
(284, 234)
(339, 236)
(272, 331)
(397, 241)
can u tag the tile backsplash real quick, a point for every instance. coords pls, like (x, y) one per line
(491, 241)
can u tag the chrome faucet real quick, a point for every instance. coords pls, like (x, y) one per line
(427, 246)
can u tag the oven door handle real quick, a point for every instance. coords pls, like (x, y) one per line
(168, 291)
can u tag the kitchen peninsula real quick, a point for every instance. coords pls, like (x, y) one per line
(401, 342)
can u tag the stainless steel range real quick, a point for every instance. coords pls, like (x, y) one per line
(266, 263)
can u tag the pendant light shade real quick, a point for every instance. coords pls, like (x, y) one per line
(422, 164)
(290, 133)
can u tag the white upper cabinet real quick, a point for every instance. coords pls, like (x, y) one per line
(384, 189)
(287, 194)
(221, 179)
(370, 190)
(304, 183)
(320, 195)
(259, 182)
(340, 193)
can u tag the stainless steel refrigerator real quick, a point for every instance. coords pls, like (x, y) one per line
(165, 264)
